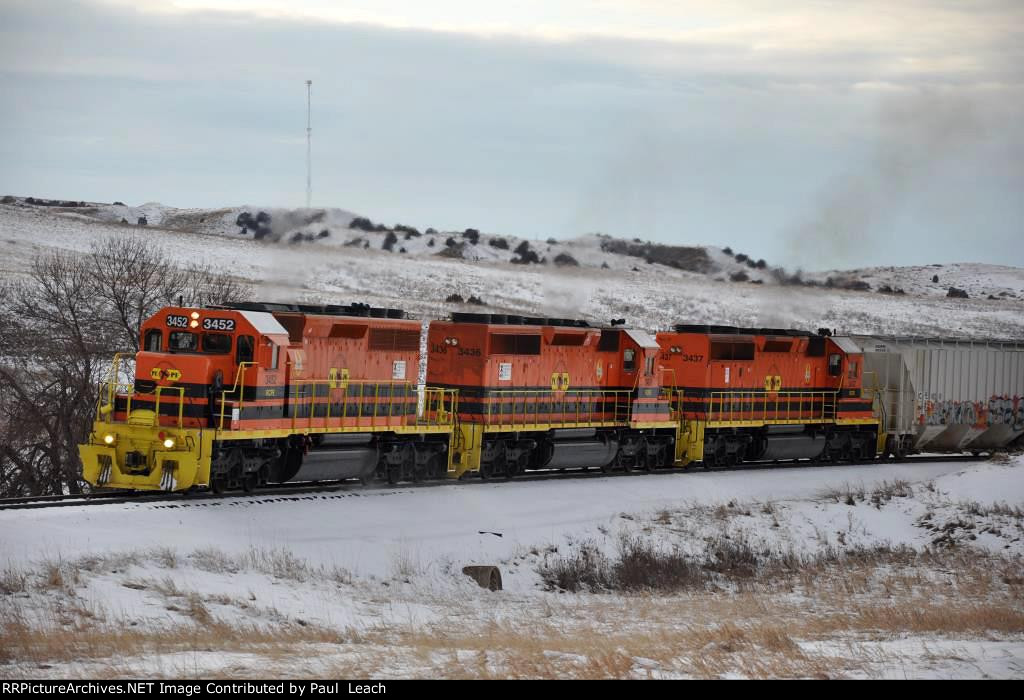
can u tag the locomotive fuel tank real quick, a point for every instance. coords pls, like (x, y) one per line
(785, 442)
(344, 456)
(573, 449)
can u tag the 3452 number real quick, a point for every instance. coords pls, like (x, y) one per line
(218, 324)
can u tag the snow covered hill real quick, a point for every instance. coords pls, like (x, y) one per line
(314, 256)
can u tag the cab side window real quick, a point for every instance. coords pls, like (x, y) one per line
(154, 340)
(629, 359)
(834, 364)
(245, 347)
(649, 367)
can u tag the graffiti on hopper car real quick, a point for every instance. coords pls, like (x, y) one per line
(998, 410)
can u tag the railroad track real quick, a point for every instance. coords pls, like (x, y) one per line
(339, 489)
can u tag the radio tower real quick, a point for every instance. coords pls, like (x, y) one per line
(309, 142)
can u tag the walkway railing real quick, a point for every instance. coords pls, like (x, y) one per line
(740, 405)
(520, 409)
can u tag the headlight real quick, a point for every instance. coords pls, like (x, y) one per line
(109, 438)
(168, 443)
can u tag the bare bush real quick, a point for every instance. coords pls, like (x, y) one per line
(586, 569)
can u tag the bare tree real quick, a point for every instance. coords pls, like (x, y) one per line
(134, 279)
(59, 328)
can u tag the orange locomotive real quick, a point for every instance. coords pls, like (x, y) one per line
(755, 394)
(239, 396)
(540, 393)
(234, 397)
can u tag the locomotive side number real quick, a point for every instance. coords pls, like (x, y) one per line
(472, 352)
(177, 321)
(219, 324)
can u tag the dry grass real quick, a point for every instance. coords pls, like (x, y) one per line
(733, 562)
(999, 509)
(13, 580)
(42, 642)
(878, 496)
(726, 609)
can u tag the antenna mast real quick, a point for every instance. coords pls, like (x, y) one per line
(309, 146)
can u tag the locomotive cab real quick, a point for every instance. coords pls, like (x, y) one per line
(194, 357)
(155, 432)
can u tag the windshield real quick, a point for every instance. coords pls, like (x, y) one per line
(182, 341)
(216, 343)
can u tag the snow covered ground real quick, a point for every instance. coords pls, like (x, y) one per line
(651, 296)
(907, 570)
(860, 571)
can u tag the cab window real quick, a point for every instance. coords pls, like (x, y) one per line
(245, 348)
(182, 341)
(649, 367)
(216, 343)
(274, 353)
(834, 364)
(154, 340)
(629, 359)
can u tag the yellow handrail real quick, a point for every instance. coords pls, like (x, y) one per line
(181, 404)
(593, 414)
(239, 386)
(110, 386)
(397, 393)
(738, 405)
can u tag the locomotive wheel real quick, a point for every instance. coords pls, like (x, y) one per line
(644, 459)
(218, 484)
(249, 482)
(394, 472)
(420, 472)
(514, 468)
(486, 470)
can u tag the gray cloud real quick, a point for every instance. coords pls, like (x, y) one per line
(703, 139)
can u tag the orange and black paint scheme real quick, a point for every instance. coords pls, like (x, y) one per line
(239, 396)
(756, 394)
(543, 393)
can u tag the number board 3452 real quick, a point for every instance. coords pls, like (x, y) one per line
(219, 324)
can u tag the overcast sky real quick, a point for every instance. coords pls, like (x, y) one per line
(809, 133)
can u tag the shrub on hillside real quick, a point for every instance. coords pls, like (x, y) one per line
(361, 223)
